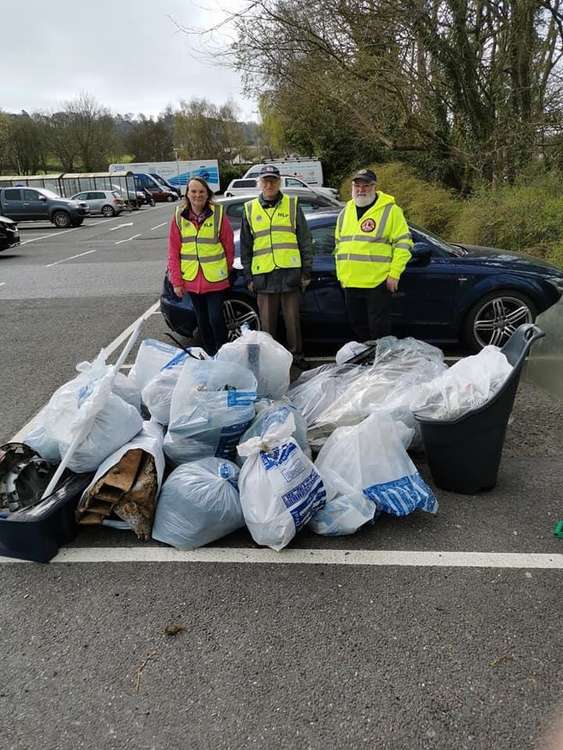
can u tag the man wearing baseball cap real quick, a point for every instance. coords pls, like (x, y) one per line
(373, 245)
(277, 255)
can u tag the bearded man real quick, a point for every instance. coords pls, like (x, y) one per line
(372, 249)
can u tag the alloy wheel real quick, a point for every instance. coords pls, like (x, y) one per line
(236, 313)
(497, 319)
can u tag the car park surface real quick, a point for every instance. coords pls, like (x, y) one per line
(321, 652)
(448, 294)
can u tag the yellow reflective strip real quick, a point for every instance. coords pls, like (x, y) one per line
(384, 218)
(292, 213)
(265, 251)
(282, 228)
(402, 245)
(206, 241)
(364, 238)
(189, 238)
(211, 258)
(285, 246)
(407, 236)
(262, 233)
(188, 256)
(340, 222)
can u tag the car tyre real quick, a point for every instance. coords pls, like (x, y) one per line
(170, 198)
(495, 317)
(61, 219)
(108, 211)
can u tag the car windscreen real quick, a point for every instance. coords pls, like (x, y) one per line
(420, 235)
(48, 193)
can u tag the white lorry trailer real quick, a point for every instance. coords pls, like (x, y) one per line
(177, 173)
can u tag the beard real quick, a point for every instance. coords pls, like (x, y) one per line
(364, 200)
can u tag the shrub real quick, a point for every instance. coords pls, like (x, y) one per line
(526, 217)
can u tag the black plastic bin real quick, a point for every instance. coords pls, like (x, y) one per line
(38, 536)
(464, 453)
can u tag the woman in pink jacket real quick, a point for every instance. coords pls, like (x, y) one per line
(200, 258)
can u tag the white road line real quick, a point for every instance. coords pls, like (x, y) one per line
(72, 257)
(128, 239)
(381, 558)
(164, 223)
(2, 283)
(120, 226)
(108, 350)
(116, 343)
(45, 236)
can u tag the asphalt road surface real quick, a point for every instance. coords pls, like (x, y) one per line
(428, 632)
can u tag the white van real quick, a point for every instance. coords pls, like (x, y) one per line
(307, 170)
(249, 185)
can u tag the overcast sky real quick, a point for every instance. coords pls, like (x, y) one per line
(128, 54)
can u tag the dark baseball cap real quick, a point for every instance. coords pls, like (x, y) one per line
(270, 171)
(366, 175)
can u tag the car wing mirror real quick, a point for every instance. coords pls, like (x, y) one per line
(43, 198)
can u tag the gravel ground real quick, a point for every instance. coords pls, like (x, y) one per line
(536, 424)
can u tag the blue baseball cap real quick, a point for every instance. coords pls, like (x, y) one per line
(364, 175)
(270, 171)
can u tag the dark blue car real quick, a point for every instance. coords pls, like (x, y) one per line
(448, 294)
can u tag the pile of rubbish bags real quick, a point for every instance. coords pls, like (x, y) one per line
(187, 449)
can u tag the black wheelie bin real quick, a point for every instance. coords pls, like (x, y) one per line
(464, 453)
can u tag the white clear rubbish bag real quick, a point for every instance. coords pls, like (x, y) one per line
(151, 358)
(467, 385)
(157, 393)
(212, 406)
(268, 360)
(280, 489)
(198, 503)
(369, 461)
(269, 412)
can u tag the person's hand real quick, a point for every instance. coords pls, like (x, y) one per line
(392, 284)
(305, 281)
(179, 291)
(250, 286)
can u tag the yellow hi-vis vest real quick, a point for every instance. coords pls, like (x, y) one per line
(202, 247)
(373, 248)
(274, 232)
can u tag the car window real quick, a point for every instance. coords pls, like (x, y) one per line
(80, 197)
(30, 195)
(99, 195)
(292, 182)
(12, 195)
(323, 240)
(255, 173)
(116, 194)
(235, 211)
(244, 183)
(307, 206)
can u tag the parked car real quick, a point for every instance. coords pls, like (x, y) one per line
(105, 202)
(448, 294)
(9, 234)
(28, 204)
(165, 184)
(309, 204)
(249, 185)
(159, 192)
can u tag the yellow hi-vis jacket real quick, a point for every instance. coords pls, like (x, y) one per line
(274, 232)
(375, 247)
(202, 247)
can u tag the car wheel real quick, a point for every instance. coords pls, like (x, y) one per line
(496, 316)
(236, 313)
(169, 198)
(61, 219)
(108, 211)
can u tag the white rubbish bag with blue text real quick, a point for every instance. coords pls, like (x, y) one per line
(280, 488)
(368, 463)
(212, 406)
(157, 393)
(199, 503)
(151, 357)
(269, 412)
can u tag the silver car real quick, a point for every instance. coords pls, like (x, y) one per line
(105, 202)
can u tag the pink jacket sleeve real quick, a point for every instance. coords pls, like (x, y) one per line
(228, 241)
(174, 246)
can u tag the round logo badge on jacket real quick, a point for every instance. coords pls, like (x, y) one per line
(368, 225)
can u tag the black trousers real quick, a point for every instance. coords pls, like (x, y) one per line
(369, 311)
(208, 310)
